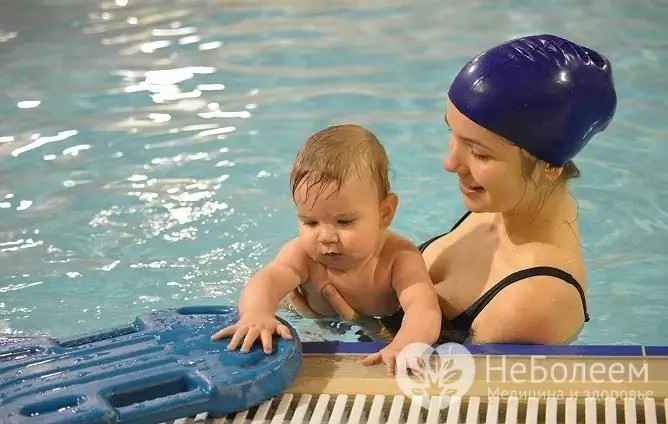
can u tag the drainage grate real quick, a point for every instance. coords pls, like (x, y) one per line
(379, 409)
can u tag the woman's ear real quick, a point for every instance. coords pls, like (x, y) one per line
(552, 173)
(388, 207)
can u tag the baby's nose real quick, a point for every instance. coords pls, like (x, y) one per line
(327, 235)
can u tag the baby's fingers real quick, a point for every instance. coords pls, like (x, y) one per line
(390, 363)
(225, 332)
(373, 359)
(266, 337)
(238, 335)
(283, 331)
(250, 338)
(411, 364)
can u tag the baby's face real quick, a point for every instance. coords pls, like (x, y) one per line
(339, 228)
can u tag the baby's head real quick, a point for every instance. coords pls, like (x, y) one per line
(341, 189)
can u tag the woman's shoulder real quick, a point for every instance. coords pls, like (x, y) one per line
(543, 299)
(560, 249)
(548, 306)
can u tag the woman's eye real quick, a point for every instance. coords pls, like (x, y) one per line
(479, 156)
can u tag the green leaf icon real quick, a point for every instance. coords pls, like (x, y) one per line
(451, 377)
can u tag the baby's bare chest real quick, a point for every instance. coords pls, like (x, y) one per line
(368, 290)
(365, 280)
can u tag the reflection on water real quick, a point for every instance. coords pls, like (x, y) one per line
(145, 144)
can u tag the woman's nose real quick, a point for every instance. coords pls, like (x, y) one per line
(452, 161)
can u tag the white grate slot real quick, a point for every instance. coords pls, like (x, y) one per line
(379, 409)
(318, 415)
(472, 411)
(338, 410)
(201, 417)
(454, 409)
(262, 412)
(512, 410)
(357, 410)
(301, 409)
(395, 412)
(492, 410)
(630, 413)
(283, 408)
(571, 410)
(610, 410)
(532, 410)
(434, 410)
(415, 409)
(551, 410)
(590, 410)
(650, 411)
(240, 418)
(376, 409)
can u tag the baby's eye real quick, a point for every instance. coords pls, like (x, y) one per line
(345, 221)
(310, 223)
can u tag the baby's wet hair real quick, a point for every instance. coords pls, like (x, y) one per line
(338, 153)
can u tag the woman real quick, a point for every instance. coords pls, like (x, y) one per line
(511, 269)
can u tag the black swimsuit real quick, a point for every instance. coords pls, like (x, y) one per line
(458, 329)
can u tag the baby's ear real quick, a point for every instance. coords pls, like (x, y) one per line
(388, 207)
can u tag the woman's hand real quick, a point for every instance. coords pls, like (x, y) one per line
(296, 301)
(299, 303)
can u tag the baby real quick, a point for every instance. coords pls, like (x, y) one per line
(341, 191)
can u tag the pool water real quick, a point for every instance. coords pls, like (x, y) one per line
(145, 145)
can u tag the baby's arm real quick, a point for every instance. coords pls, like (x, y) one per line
(422, 313)
(274, 281)
(260, 298)
(417, 296)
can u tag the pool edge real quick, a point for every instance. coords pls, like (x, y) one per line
(365, 348)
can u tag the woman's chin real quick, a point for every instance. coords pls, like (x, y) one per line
(477, 204)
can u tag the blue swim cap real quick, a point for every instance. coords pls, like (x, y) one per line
(547, 95)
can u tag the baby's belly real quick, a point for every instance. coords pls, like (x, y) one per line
(381, 305)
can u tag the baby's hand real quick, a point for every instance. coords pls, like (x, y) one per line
(389, 356)
(249, 327)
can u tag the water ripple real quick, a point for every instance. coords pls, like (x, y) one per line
(146, 144)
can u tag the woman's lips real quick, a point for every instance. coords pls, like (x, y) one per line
(469, 188)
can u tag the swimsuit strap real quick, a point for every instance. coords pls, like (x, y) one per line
(426, 244)
(466, 318)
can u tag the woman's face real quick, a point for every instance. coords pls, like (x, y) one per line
(489, 168)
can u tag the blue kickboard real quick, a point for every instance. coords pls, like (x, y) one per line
(162, 367)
